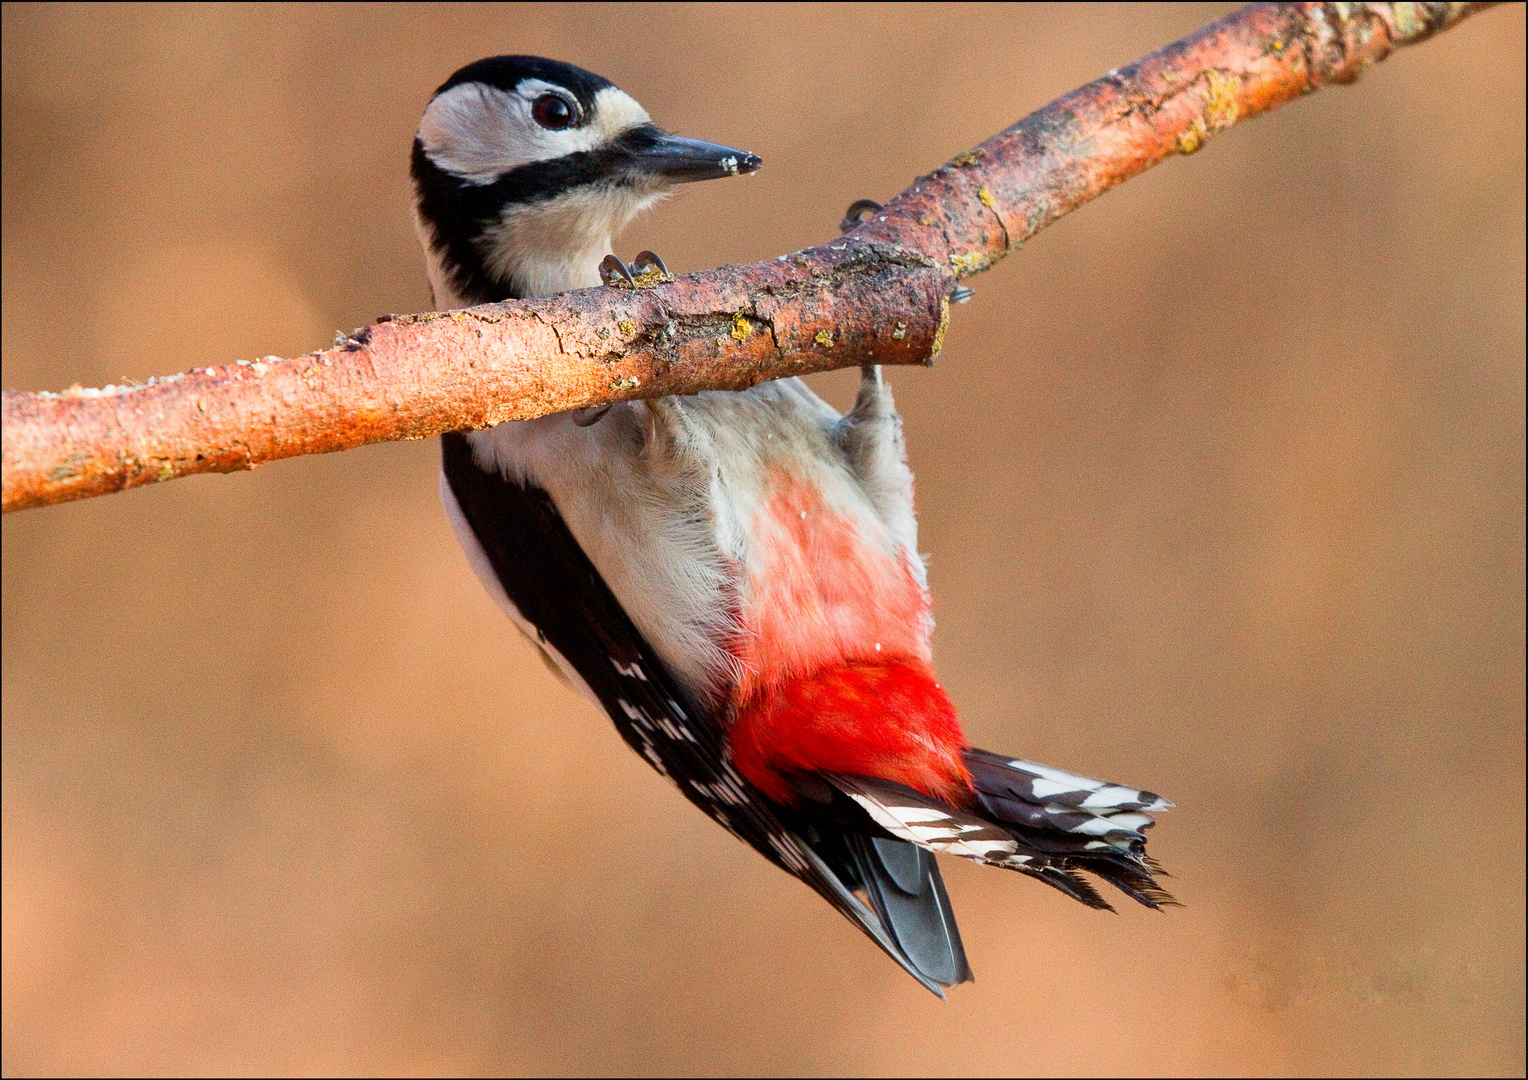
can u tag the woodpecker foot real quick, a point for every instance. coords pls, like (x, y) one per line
(646, 264)
(613, 272)
(645, 271)
(590, 417)
(858, 211)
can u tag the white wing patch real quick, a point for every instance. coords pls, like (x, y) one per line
(631, 671)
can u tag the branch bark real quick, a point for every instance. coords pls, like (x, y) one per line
(879, 294)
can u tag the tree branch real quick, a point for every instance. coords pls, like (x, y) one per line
(879, 294)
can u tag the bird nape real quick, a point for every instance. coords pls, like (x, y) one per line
(732, 576)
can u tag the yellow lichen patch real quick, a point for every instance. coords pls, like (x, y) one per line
(963, 263)
(165, 473)
(1407, 21)
(627, 327)
(651, 277)
(1220, 102)
(824, 338)
(1220, 112)
(740, 327)
(624, 383)
(70, 467)
(944, 323)
(986, 197)
(926, 219)
(899, 331)
(1192, 139)
(969, 158)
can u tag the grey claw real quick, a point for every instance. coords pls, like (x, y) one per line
(613, 272)
(587, 418)
(650, 260)
(855, 215)
(961, 294)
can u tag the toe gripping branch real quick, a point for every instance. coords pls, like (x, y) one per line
(861, 210)
(643, 272)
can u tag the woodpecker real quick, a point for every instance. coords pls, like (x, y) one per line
(733, 577)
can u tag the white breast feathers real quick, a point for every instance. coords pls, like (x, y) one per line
(671, 500)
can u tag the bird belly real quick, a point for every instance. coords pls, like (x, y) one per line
(735, 533)
(822, 586)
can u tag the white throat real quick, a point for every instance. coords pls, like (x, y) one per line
(545, 247)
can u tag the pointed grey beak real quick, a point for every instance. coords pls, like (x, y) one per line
(682, 161)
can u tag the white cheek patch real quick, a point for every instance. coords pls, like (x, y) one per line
(479, 132)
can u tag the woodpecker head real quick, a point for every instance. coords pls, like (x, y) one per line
(524, 168)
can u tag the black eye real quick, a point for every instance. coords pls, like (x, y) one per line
(552, 111)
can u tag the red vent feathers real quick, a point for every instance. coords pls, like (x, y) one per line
(885, 719)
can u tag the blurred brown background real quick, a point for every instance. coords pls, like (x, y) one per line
(1223, 480)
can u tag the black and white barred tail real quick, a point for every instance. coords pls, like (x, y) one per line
(1037, 820)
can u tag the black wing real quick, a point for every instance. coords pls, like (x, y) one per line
(556, 589)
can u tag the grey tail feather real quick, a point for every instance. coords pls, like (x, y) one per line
(830, 885)
(903, 883)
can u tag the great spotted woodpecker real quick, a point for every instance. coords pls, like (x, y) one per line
(733, 577)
